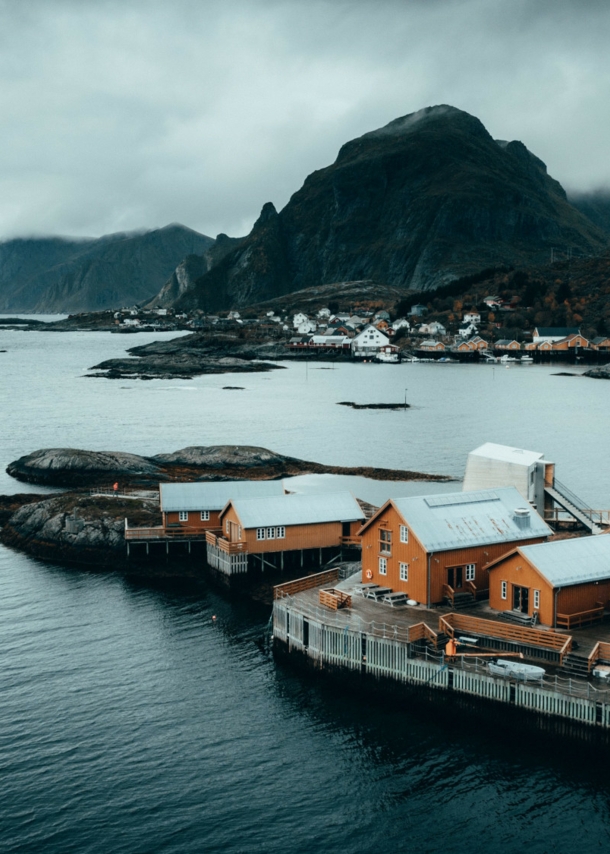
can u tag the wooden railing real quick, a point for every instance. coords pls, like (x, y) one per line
(559, 643)
(308, 582)
(422, 631)
(351, 541)
(225, 546)
(335, 599)
(581, 618)
(449, 593)
(160, 533)
(600, 652)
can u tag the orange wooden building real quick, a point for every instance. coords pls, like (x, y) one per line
(571, 342)
(284, 530)
(196, 506)
(436, 547)
(565, 582)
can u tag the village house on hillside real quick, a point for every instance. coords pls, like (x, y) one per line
(367, 343)
(435, 548)
(565, 583)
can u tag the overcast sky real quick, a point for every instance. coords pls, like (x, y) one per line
(121, 115)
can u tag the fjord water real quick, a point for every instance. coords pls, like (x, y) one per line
(132, 722)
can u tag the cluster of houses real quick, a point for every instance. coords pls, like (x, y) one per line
(544, 340)
(489, 541)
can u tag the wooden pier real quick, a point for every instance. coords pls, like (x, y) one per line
(406, 645)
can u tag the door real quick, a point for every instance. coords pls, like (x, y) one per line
(521, 599)
(455, 577)
(346, 529)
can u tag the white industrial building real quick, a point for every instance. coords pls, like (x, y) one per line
(493, 465)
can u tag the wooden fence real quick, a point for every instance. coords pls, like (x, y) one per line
(308, 582)
(335, 599)
(557, 645)
(581, 618)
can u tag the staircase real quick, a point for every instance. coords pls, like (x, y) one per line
(570, 502)
(576, 665)
(460, 600)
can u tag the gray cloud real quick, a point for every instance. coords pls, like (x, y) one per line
(117, 115)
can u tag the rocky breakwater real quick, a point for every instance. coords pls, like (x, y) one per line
(192, 355)
(78, 528)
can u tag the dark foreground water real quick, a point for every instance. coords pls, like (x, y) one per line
(130, 721)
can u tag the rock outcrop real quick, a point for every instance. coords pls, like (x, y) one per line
(68, 467)
(600, 373)
(81, 529)
(426, 199)
(75, 467)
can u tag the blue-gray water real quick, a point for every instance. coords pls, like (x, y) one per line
(131, 722)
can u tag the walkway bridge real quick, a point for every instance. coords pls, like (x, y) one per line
(563, 497)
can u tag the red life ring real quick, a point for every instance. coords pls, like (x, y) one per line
(369, 574)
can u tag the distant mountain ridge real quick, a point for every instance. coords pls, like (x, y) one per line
(426, 199)
(55, 274)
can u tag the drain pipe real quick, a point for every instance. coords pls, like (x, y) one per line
(428, 605)
(557, 591)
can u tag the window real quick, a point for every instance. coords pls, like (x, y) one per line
(260, 533)
(404, 571)
(205, 515)
(385, 541)
(281, 532)
(183, 516)
(383, 566)
(227, 526)
(503, 590)
(470, 571)
(239, 532)
(536, 599)
(270, 533)
(404, 534)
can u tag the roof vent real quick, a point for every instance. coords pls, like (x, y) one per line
(521, 515)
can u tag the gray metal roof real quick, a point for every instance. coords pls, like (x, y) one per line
(298, 510)
(567, 562)
(214, 496)
(458, 519)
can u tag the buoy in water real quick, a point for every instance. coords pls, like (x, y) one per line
(214, 618)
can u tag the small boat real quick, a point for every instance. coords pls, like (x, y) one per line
(516, 670)
(526, 360)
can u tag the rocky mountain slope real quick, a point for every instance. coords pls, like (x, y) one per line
(425, 199)
(64, 275)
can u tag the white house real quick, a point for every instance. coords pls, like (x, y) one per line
(553, 333)
(468, 331)
(324, 313)
(368, 342)
(472, 317)
(306, 326)
(401, 323)
(298, 319)
(432, 328)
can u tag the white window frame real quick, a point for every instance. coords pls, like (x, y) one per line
(403, 571)
(227, 526)
(383, 566)
(205, 516)
(183, 515)
(270, 533)
(471, 570)
(504, 590)
(537, 599)
(281, 532)
(260, 533)
(404, 534)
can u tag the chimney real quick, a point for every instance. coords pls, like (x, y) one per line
(521, 516)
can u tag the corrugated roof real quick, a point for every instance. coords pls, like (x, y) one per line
(567, 562)
(507, 454)
(214, 496)
(298, 510)
(456, 520)
(553, 331)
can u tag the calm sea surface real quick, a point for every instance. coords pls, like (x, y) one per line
(130, 722)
